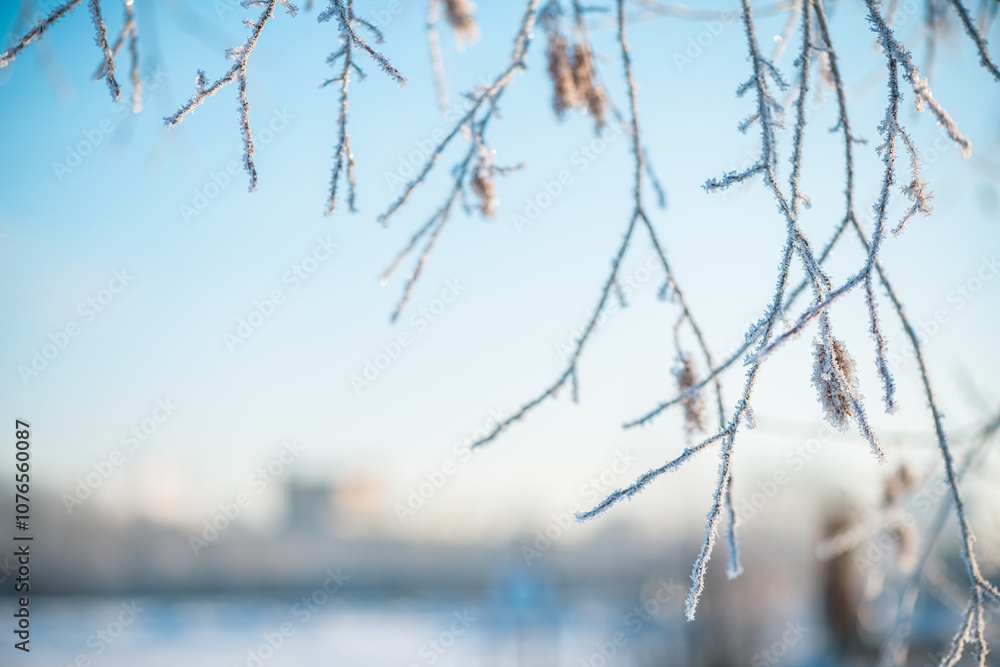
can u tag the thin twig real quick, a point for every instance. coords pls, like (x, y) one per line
(238, 72)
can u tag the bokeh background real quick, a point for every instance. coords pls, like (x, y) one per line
(361, 530)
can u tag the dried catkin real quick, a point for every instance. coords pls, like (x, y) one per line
(460, 16)
(830, 366)
(483, 183)
(587, 91)
(687, 377)
(564, 94)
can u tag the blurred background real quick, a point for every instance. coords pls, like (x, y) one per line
(223, 479)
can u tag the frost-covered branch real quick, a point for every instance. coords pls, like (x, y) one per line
(921, 89)
(476, 171)
(129, 31)
(894, 651)
(834, 371)
(434, 225)
(107, 68)
(437, 60)
(460, 15)
(977, 38)
(343, 10)
(834, 378)
(238, 72)
(750, 338)
(723, 495)
(102, 41)
(980, 588)
(569, 374)
(477, 99)
(915, 191)
(37, 31)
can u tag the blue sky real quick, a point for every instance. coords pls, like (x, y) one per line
(522, 291)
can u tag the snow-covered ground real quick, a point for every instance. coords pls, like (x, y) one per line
(282, 632)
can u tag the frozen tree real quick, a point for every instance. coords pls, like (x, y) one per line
(564, 28)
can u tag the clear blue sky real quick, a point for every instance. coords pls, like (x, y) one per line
(162, 336)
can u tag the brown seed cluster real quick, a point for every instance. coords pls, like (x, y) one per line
(694, 406)
(483, 183)
(561, 73)
(460, 16)
(591, 94)
(571, 68)
(836, 382)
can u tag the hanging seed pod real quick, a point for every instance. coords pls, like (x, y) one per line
(834, 395)
(460, 16)
(588, 92)
(483, 183)
(694, 406)
(564, 93)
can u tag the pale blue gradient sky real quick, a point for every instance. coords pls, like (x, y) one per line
(496, 346)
